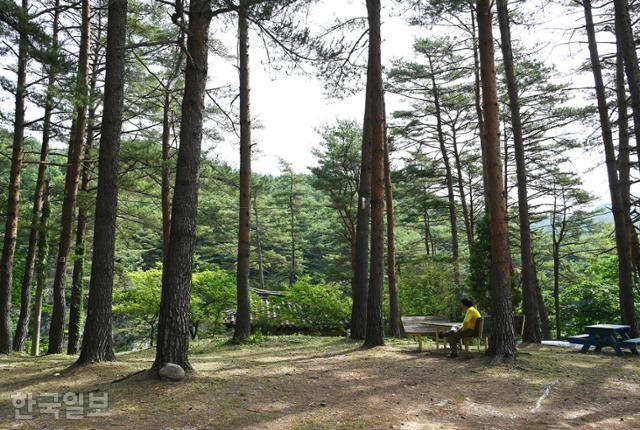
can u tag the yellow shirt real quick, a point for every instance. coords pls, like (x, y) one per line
(470, 319)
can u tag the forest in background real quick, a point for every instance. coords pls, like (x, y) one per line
(303, 227)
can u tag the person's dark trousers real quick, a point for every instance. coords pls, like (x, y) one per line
(454, 336)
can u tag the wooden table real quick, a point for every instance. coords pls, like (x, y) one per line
(601, 335)
(443, 327)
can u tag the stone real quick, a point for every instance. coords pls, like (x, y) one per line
(172, 372)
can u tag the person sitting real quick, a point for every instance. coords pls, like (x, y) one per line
(468, 328)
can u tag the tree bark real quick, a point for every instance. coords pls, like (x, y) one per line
(502, 341)
(76, 144)
(258, 243)
(624, 33)
(394, 306)
(360, 281)
(13, 200)
(375, 93)
(478, 102)
(545, 324)
(34, 231)
(627, 307)
(173, 325)
(41, 270)
(243, 311)
(624, 163)
(292, 229)
(529, 300)
(453, 219)
(97, 342)
(75, 310)
(166, 151)
(466, 213)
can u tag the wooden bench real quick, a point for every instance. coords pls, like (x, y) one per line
(632, 344)
(418, 326)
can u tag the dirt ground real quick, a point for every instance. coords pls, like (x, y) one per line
(317, 383)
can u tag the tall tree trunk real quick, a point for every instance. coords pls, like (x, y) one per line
(173, 324)
(360, 281)
(292, 229)
(75, 309)
(467, 216)
(455, 253)
(529, 299)
(428, 240)
(166, 149)
(624, 163)
(34, 231)
(502, 341)
(165, 173)
(556, 288)
(624, 33)
(13, 200)
(243, 311)
(97, 343)
(627, 307)
(258, 242)
(394, 306)
(76, 144)
(545, 324)
(478, 102)
(40, 270)
(375, 93)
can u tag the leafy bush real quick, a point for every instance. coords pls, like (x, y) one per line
(593, 300)
(212, 292)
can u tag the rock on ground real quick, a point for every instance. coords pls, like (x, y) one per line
(172, 372)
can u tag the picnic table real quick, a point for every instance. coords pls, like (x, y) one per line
(443, 327)
(419, 326)
(611, 335)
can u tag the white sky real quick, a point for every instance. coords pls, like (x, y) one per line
(291, 107)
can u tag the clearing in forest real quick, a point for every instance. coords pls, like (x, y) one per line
(304, 382)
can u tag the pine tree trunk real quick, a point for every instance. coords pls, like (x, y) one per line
(292, 229)
(258, 242)
(13, 200)
(467, 216)
(624, 33)
(165, 174)
(427, 231)
(453, 219)
(545, 324)
(556, 289)
(394, 306)
(76, 144)
(166, 151)
(243, 311)
(478, 102)
(360, 283)
(529, 299)
(375, 93)
(75, 309)
(627, 307)
(97, 342)
(502, 341)
(40, 270)
(173, 324)
(624, 163)
(34, 231)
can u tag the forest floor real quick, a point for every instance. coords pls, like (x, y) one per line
(318, 383)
